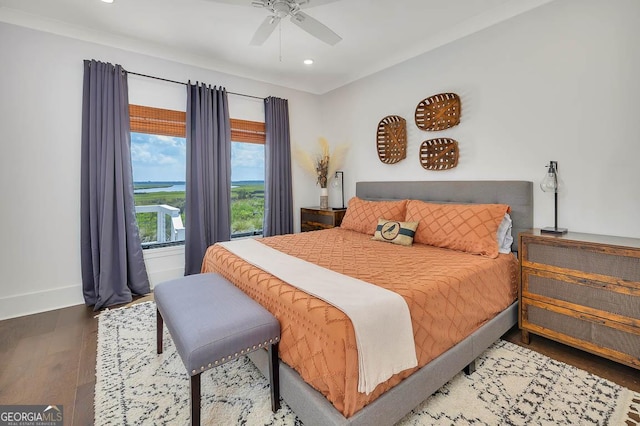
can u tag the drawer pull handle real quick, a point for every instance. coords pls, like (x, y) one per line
(584, 317)
(589, 282)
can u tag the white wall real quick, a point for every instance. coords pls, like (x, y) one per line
(557, 83)
(561, 82)
(40, 127)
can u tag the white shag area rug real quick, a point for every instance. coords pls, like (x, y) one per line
(511, 386)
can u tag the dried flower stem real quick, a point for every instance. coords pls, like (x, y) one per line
(321, 167)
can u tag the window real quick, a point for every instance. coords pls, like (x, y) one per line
(158, 154)
(247, 177)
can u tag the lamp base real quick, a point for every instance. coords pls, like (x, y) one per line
(554, 230)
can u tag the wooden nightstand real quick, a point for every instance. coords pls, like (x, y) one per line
(582, 290)
(315, 218)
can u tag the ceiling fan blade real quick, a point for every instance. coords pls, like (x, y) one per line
(315, 28)
(235, 2)
(303, 4)
(312, 3)
(264, 30)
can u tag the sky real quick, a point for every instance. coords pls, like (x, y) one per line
(163, 158)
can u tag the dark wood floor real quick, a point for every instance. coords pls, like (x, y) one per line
(49, 358)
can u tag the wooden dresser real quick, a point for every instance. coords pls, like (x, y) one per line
(582, 290)
(315, 218)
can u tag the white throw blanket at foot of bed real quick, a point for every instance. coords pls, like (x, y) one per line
(381, 319)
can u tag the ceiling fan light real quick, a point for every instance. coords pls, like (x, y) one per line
(281, 9)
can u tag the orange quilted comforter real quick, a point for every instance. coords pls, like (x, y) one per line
(449, 294)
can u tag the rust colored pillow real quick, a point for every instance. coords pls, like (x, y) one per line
(362, 216)
(466, 227)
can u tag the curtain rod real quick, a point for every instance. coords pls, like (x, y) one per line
(184, 84)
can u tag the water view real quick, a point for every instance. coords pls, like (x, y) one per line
(173, 188)
(247, 207)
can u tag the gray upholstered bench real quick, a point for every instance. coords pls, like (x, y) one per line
(211, 322)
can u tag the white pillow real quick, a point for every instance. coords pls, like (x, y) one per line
(505, 239)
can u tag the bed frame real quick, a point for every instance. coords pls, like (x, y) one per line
(314, 409)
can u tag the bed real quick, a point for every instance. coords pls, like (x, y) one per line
(310, 326)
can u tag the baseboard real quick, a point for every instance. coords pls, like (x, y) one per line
(62, 297)
(163, 264)
(42, 301)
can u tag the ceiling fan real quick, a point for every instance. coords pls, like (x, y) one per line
(280, 9)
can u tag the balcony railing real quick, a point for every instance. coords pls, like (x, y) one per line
(164, 212)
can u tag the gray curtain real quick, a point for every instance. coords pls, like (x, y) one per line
(208, 191)
(112, 264)
(278, 201)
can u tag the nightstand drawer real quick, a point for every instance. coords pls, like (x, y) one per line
(319, 219)
(581, 292)
(585, 259)
(315, 218)
(583, 331)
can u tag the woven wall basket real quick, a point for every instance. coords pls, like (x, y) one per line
(391, 141)
(439, 154)
(438, 112)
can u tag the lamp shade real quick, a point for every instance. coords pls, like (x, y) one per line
(339, 182)
(552, 183)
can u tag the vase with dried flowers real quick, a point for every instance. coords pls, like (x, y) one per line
(322, 166)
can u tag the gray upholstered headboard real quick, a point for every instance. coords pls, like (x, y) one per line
(517, 194)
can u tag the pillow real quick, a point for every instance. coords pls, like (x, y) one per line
(466, 227)
(362, 216)
(505, 239)
(392, 231)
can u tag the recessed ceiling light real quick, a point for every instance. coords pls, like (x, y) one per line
(107, 1)
(308, 61)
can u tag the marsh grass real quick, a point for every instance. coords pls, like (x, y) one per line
(247, 208)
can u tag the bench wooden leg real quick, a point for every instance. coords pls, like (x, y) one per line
(159, 324)
(274, 377)
(195, 400)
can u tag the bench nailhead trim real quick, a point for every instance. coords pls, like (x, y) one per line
(224, 359)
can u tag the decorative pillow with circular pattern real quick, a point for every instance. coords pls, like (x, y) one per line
(392, 231)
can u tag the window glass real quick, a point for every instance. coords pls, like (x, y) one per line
(159, 169)
(247, 188)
